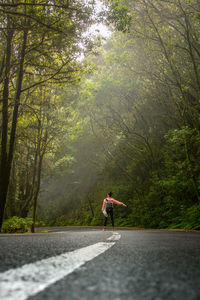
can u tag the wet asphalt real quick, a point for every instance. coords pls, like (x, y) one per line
(143, 264)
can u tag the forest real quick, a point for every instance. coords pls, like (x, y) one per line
(82, 114)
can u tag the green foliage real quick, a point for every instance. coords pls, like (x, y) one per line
(16, 225)
(38, 223)
(131, 126)
(188, 219)
(170, 200)
(48, 40)
(65, 221)
(120, 15)
(181, 172)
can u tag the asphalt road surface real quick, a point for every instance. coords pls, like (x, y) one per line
(91, 264)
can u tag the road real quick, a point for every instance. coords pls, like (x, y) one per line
(91, 264)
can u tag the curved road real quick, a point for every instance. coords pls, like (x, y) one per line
(129, 264)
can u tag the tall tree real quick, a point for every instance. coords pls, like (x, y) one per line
(41, 46)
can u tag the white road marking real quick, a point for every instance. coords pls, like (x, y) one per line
(30, 279)
(114, 237)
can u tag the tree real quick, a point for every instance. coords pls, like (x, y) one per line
(146, 84)
(41, 45)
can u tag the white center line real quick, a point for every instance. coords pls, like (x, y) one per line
(114, 237)
(30, 279)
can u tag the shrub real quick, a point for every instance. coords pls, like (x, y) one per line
(191, 220)
(15, 224)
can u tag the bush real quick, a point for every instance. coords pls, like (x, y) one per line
(16, 224)
(38, 223)
(66, 221)
(97, 221)
(191, 219)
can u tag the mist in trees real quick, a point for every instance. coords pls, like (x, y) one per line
(125, 119)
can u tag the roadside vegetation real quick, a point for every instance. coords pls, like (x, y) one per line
(125, 119)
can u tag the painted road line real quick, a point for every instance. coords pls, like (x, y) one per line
(114, 237)
(30, 279)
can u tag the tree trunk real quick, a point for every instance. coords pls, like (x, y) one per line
(4, 174)
(6, 159)
(36, 193)
(10, 209)
(90, 205)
